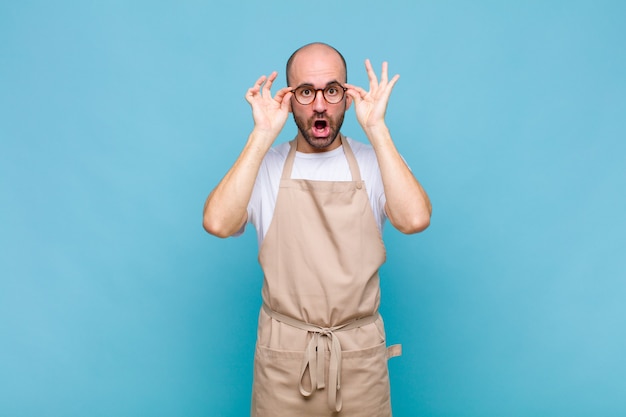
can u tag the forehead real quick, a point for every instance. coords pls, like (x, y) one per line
(317, 65)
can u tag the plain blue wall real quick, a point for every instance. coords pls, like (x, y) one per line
(118, 117)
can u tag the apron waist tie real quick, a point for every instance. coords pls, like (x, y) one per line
(315, 354)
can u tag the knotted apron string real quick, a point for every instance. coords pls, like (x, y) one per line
(315, 354)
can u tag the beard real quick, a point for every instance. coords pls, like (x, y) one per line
(306, 126)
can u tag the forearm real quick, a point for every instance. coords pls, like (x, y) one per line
(225, 210)
(408, 206)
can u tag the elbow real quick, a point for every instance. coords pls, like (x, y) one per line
(417, 224)
(414, 221)
(222, 220)
(215, 228)
(220, 225)
(410, 219)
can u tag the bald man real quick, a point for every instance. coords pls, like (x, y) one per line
(319, 204)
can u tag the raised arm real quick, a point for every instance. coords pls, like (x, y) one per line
(408, 206)
(225, 210)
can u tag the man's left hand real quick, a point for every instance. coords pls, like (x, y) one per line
(370, 106)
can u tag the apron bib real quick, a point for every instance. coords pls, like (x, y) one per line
(321, 347)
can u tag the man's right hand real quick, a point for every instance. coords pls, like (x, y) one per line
(269, 113)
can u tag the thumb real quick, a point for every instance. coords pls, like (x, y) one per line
(355, 96)
(285, 103)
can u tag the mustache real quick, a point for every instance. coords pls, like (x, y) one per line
(321, 117)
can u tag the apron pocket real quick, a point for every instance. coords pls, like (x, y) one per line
(365, 382)
(275, 390)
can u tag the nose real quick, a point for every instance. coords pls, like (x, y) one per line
(319, 103)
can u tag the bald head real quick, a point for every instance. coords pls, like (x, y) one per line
(315, 53)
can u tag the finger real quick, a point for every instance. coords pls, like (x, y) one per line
(384, 75)
(385, 93)
(270, 80)
(371, 75)
(357, 95)
(257, 86)
(393, 81)
(259, 82)
(355, 90)
(280, 94)
(285, 101)
(283, 97)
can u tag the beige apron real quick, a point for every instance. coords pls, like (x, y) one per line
(321, 343)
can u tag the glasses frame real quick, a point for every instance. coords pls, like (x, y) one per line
(323, 90)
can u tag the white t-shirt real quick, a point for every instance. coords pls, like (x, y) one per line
(323, 166)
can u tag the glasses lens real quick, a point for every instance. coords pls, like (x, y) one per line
(333, 93)
(305, 95)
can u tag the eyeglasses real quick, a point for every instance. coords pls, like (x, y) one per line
(333, 93)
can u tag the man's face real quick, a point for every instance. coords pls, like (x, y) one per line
(318, 123)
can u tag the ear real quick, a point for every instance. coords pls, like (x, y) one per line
(348, 102)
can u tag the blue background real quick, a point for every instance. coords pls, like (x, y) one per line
(117, 118)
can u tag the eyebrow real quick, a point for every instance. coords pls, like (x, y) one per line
(311, 85)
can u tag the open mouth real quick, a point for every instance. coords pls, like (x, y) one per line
(320, 128)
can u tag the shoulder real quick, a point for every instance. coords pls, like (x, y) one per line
(278, 152)
(360, 147)
(363, 152)
(275, 157)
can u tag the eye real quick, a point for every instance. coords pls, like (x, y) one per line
(332, 91)
(306, 92)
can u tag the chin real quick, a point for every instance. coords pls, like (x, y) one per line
(321, 143)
